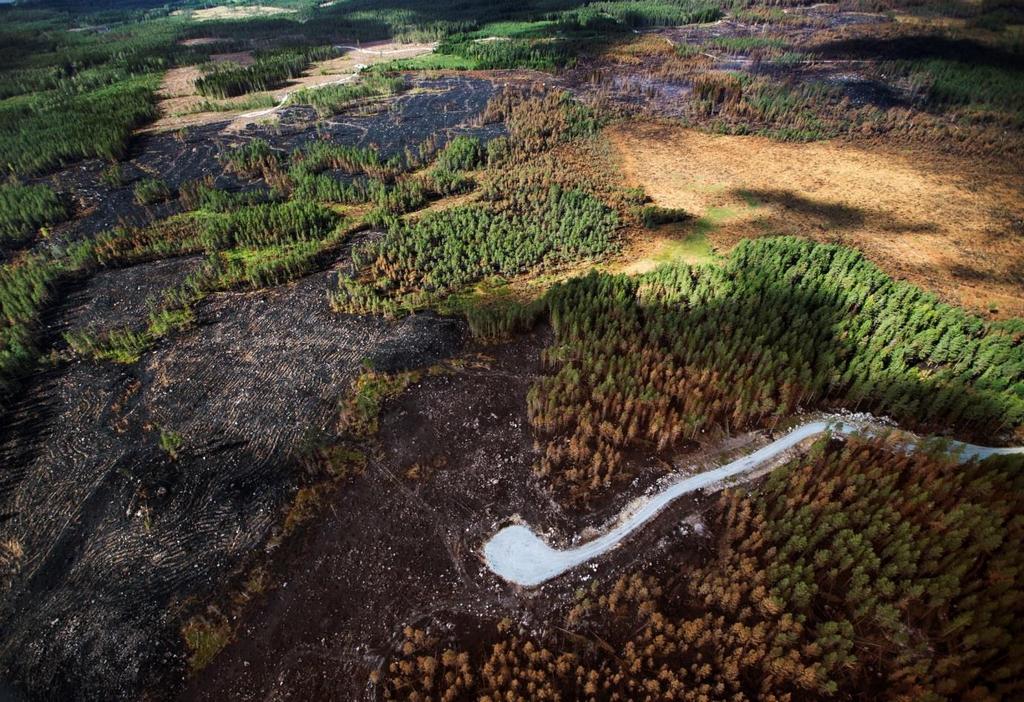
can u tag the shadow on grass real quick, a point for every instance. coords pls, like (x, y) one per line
(831, 215)
(920, 47)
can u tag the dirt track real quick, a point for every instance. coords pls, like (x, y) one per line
(389, 550)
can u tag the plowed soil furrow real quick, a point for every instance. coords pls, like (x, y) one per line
(115, 531)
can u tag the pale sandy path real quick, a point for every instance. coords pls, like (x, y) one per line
(518, 555)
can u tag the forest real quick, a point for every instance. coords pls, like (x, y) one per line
(290, 329)
(853, 567)
(46, 130)
(268, 72)
(643, 361)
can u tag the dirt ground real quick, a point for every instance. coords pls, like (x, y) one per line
(948, 224)
(178, 96)
(228, 12)
(390, 551)
(116, 534)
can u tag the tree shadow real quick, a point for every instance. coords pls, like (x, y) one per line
(815, 323)
(831, 215)
(919, 47)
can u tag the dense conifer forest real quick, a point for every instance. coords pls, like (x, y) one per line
(643, 360)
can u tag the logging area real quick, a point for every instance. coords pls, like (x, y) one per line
(570, 350)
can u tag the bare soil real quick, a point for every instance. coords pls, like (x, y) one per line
(117, 535)
(229, 12)
(390, 551)
(178, 97)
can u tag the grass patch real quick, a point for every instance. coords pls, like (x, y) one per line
(360, 413)
(712, 219)
(427, 62)
(692, 248)
(205, 636)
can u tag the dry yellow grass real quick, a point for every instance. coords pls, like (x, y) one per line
(235, 12)
(178, 96)
(948, 224)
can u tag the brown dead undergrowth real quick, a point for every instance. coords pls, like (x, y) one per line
(949, 224)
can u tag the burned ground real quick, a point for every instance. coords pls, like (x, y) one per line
(399, 545)
(116, 532)
(135, 496)
(431, 107)
(133, 490)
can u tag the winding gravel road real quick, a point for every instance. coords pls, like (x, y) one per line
(518, 555)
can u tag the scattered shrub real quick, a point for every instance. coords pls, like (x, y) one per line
(149, 191)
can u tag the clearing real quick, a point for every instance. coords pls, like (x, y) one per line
(181, 106)
(232, 12)
(948, 224)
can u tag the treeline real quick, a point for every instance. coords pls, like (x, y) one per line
(448, 176)
(256, 158)
(644, 13)
(26, 208)
(252, 246)
(39, 54)
(266, 225)
(269, 72)
(27, 286)
(365, 175)
(539, 119)
(69, 95)
(683, 354)
(853, 568)
(319, 156)
(149, 191)
(508, 53)
(203, 195)
(462, 153)
(252, 159)
(41, 132)
(443, 251)
(256, 226)
(787, 110)
(332, 99)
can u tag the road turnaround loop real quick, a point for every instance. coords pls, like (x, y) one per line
(516, 554)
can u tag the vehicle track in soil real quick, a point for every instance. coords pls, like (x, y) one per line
(517, 554)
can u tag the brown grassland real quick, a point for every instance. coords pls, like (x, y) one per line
(947, 223)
